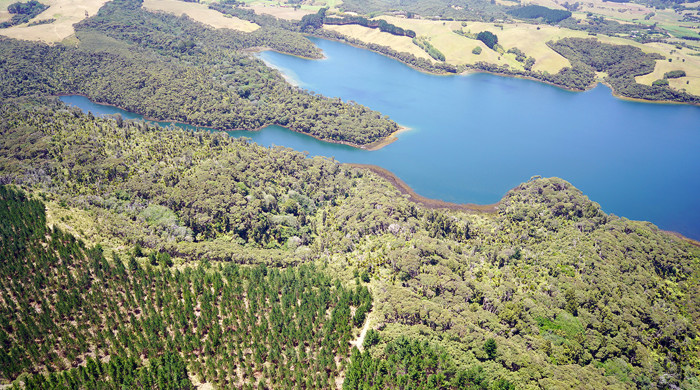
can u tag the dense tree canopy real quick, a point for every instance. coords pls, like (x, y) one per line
(490, 39)
(568, 293)
(533, 11)
(138, 256)
(621, 63)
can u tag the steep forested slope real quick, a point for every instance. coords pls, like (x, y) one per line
(547, 292)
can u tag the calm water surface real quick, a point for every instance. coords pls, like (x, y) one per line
(474, 137)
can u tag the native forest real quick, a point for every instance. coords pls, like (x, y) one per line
(139, 256)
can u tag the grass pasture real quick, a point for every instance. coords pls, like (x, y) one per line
(66, 13)
(200, 13)
(526, 37)
(617, 11)
(667, 19)
(458, 49)
(4, 15)
(691, 66)
(554, 4)
(373, 35)
(288, 13)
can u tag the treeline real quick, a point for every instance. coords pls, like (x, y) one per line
(381, 24)
(547, 15)
(569, 77)
(432, 51)
(407, 58)
(315, 21)
(520, 56)
(230, 326)
(23, 12)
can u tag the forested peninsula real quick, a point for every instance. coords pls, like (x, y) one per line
(172, 68)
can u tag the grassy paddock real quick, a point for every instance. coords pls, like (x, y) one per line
(691, 66)
(532, 41)
(4, 15)
(287, 13)
(545, 3)
(66, 13)
(200, 13)
(373, 35)
(458, 49)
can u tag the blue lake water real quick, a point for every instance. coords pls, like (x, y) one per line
(473, 137)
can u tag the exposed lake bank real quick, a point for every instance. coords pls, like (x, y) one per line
(404, 189)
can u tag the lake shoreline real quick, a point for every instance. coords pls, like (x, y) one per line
(638, 100)
(359, 46)
(389, 139)
(405, 189)
(260, 49)
(373, 146)
(683, 238)
(473, 70)
(518, 76)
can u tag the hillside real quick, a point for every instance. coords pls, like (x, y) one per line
(548, 292)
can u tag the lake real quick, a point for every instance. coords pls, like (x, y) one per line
(473, 137)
